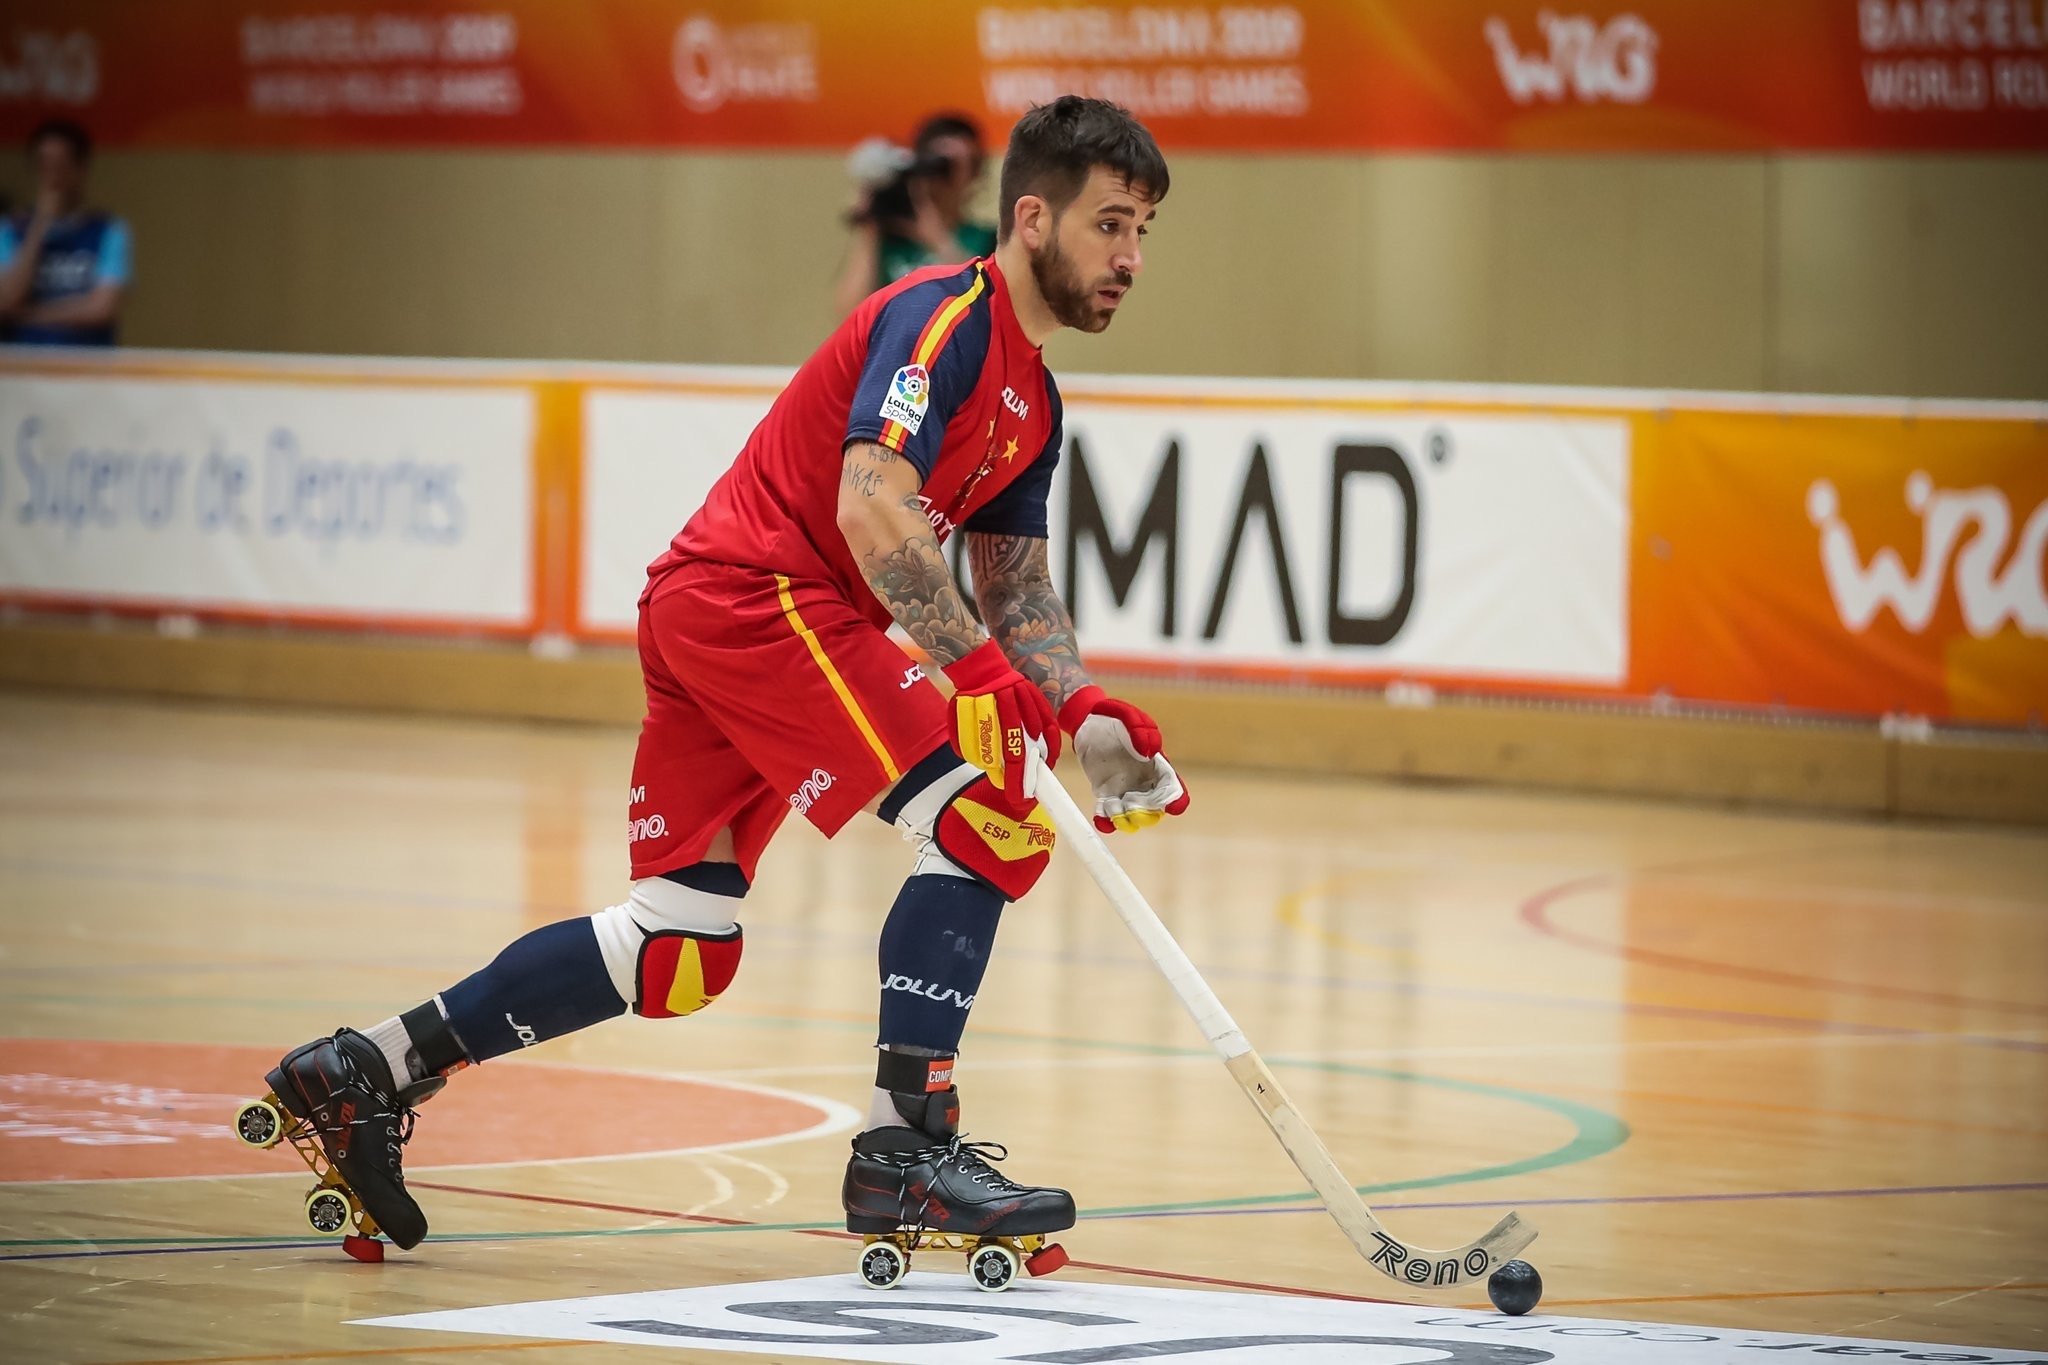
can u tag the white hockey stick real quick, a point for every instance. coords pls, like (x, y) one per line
(1388, 1254)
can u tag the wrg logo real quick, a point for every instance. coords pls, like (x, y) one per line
(1964, 538)
(1615, 61)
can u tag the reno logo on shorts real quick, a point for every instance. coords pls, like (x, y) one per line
(1992, 587)
(1615, 61)
(910, 393)
(816, 785)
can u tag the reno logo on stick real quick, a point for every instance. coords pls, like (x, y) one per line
(1966, 538)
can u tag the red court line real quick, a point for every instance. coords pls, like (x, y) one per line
(1798, 1294)
(582, 1204)
(852, 1236)
(1535, 912)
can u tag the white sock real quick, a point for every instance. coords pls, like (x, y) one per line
(398, 1049)
(882, 1112)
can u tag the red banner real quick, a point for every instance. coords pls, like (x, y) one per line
(1400, 75)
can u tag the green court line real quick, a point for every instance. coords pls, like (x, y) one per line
(1594, 1133)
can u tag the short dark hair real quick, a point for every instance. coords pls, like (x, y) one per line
(1054, 147)
(949, 123)
(66, 131)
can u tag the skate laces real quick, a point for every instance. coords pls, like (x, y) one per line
(971, 1159)
(396, 1116)
(974, 1160)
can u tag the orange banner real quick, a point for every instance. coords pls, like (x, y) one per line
(1312, 74)
(1863, 565)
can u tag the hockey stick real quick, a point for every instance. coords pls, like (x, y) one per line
(1387, 1253)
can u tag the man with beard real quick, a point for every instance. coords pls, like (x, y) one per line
(772, 686)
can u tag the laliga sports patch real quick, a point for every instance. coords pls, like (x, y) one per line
(910, 393)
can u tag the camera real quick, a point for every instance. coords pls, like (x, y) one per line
(886, 172)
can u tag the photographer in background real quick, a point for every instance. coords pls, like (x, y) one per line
(63, 267)
(912, 206)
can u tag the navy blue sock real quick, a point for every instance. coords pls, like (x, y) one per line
(551, 982)
(933, 951)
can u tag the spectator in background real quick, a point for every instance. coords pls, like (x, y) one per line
(911, 209)
(63, 267)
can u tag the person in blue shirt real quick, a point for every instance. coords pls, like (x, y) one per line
(63, 267)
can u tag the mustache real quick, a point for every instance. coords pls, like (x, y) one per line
(1122, 279)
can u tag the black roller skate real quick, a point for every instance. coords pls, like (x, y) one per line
(921, 1186)
(335, 1101)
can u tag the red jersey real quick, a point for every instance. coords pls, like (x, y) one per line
(937, 368)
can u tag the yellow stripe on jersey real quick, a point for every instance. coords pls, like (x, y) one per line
(946, 319)
(831, 673)
(930, 342)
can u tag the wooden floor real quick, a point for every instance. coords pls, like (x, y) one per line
(1744, 1070)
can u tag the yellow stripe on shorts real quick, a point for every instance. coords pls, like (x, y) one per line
(846, 700)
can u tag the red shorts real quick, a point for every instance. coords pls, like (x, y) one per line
(765, 695)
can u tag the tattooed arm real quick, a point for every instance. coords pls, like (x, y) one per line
(898, 553)
(1013, 584)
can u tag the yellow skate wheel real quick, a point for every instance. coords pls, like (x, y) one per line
(327, 1209)
(882, 1265)
(258, 1124)
(993, 1266)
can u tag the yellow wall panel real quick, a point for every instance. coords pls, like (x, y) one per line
(1918, 275)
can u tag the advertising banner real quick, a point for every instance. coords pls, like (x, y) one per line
(1330, 545)
(1866, 565)
(397, 505)
(649, 457)
(1257, 541)
(1399, 75)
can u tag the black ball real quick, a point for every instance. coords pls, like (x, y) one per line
(1515, 1288)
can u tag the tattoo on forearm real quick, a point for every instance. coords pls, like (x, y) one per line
(1025, 615)
(863, 472)
(916, 585)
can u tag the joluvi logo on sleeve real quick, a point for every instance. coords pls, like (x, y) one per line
(910, 392)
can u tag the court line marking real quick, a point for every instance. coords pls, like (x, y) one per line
(1626, 1007)
(1535, 912)
(1291, 911)
(1252, 1206)
(1595, 1133)
(365, 1353)
(1961, 1292)
(835, 1117)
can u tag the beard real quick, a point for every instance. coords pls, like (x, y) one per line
(1070, 299)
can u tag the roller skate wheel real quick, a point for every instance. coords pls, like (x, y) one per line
(882, 1265)
(327, 1210)
(368, 1250)
(258, 1124)
(1048, 1260)
(993, 1267)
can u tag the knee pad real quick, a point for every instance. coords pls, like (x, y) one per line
(671, 949)
(978, 830)
(680, 972)
(965, 826)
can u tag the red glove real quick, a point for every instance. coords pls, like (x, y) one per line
(1120, 750)
(997, 712)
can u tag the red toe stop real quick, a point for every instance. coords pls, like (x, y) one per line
(1048, 1260)
(370, 1251)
